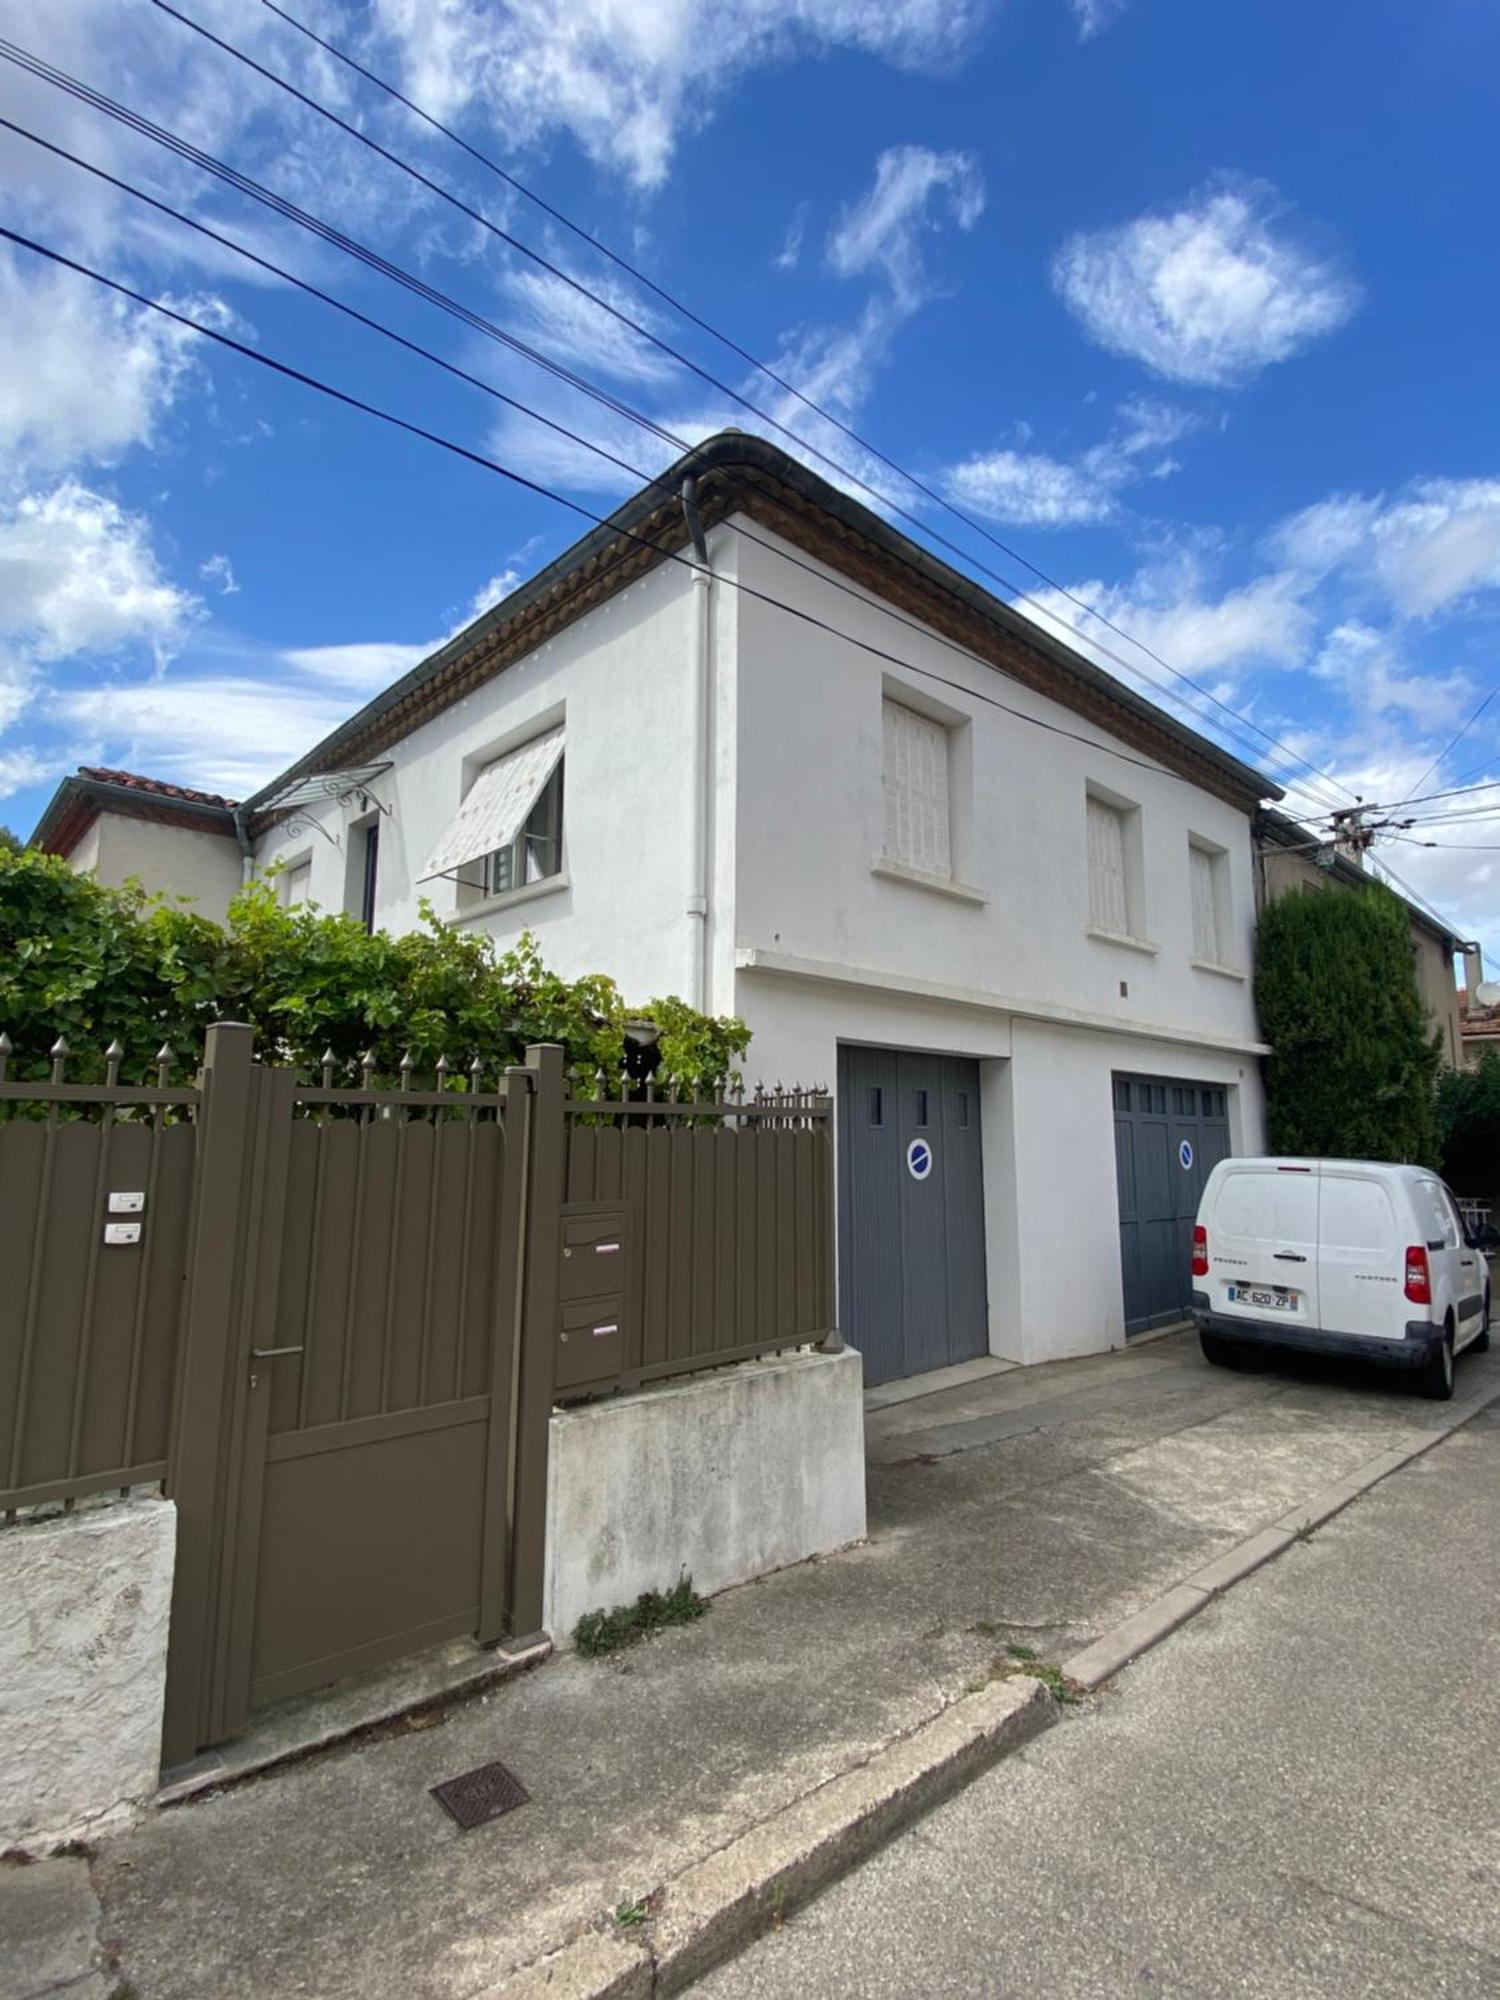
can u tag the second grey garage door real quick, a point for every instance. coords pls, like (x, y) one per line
(1168, 1134)
(911, 1211)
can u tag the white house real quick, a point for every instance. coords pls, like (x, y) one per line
(750, 745)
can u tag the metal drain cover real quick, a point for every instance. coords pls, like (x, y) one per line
(481, 1795)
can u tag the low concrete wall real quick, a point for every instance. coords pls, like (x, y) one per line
(724, 1476)
(84, 1606)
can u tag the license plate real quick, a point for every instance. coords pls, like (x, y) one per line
(1266, 1298)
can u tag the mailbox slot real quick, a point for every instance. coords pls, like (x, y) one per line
(595, 1250)
(590, 1341)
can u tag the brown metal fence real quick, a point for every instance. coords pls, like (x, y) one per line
(332, 1321)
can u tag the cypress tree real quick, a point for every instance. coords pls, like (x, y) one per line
(1353, 1067)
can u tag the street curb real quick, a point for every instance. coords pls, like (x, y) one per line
(718, 1906)
(1105, 1656)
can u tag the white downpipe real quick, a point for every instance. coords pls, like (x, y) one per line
(702, 697)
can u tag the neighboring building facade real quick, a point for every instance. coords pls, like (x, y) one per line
(749, 745)
(1288, 858)
(117, 826)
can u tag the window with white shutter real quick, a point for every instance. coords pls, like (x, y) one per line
(296, 884)
(1109, 903)
(918, 824)
(1206, 942)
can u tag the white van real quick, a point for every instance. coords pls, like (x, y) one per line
(1341, 1257)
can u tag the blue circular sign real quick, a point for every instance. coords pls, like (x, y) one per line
(1185, 1154)
(919, 1159)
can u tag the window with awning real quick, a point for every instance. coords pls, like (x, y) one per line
(494, 818)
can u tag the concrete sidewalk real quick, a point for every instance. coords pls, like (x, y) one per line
(1039, 1506)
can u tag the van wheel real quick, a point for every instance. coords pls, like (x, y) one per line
(1221, 1352)
(1435, 1381)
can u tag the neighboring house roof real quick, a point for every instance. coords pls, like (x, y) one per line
(1279, 830)
(79, 800)
(735, 473)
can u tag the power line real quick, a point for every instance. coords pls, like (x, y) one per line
(285, 369)
(1458, 738)
(645, 333)
(473, 381)
(362, 253)
(771, 374)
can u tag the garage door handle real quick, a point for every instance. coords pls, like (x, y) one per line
(1289, 1256)
(270, 1353)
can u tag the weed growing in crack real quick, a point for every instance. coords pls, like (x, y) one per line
(600, 1632)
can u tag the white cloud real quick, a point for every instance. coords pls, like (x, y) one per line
(1029, 489)
(789, 255)
(78, 574)
(228, 732)
(1211, 292)
(22, 767)
(360, 667)
(1169, 610)
(1367, 668)
(1431, 548)
(1032, 489)
(627, 82)
(1093, 16)
(81, 375)
(915, 190)
(570, 327)
(219, 571)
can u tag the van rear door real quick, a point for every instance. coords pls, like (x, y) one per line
(1263, 1242)
(1362, 1256)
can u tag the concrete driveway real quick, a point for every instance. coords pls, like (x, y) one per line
(1039, 1507)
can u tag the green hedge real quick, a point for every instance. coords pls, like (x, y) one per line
(1354, 1063)
(97, 964)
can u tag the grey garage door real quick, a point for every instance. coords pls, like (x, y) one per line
(911, 1211)
(1168, 1134)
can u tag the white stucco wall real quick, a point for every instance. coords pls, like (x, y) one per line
(620, 679)
(812, 814)
(723, 1476)
(174, 860)
(84, 1606)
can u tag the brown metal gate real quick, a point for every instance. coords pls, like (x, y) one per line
(336, 1320)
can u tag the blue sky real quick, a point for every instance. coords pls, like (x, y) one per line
(1193, 306)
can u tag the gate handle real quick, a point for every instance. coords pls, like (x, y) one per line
(270, 1353)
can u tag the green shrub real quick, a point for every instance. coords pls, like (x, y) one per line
(97, 964)
(1353, 1061)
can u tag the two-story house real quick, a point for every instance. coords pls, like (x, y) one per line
(749, 744)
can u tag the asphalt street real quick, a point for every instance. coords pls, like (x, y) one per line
(1298, 1793)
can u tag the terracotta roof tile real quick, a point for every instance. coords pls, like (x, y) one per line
(131, 781)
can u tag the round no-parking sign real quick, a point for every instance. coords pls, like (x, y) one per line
(1185, 1154)
(919, 1159)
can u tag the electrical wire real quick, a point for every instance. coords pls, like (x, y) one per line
(771, 374)
(1458, 738)
(713, 381)
(285, 369)
(326, 232)
(376, 326)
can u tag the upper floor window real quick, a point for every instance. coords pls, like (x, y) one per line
(509, 830)
(1109, 887)
(918, 813)
(1208, 894)
(296, 884)
(536, 851)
